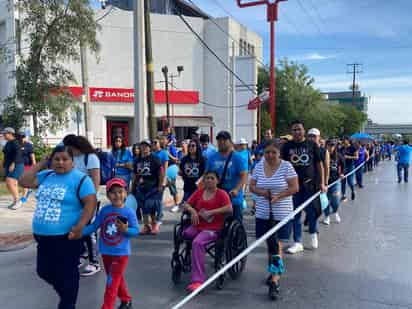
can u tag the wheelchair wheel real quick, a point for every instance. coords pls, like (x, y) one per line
(219, 282)
(236, 242)
(177, 269)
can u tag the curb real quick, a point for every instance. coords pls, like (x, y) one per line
(15, 241)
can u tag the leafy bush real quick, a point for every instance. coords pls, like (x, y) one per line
(40, 149)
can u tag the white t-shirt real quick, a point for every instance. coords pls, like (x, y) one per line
(277, 183)
(92, 163)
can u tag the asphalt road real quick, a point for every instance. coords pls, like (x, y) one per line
(364, 262)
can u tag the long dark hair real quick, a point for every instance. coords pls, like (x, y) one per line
(199, 155)
(135, 146)
(79, 142)
(122, 148)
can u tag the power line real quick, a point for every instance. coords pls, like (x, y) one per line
(228, 34)
(203, 102)
(315, 9)
(215, 55)
(106, 14)
(311, 17)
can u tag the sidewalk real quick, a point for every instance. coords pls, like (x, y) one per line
(15, 225)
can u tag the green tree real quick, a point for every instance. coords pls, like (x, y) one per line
(297, 98)
(53, 29)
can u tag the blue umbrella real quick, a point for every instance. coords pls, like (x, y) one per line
(361, 136)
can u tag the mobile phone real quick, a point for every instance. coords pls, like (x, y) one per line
(122, 219)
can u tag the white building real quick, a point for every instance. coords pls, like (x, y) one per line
(201, 96)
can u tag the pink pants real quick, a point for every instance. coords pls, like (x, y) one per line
(200, 240)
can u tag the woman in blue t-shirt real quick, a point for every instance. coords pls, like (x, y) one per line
(124, 160)
(66, 201)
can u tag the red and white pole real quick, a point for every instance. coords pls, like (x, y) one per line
(272, 17)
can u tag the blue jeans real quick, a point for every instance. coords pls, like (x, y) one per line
(359, 177)
(349, 180)
(298, 199)
(405, 168)
(334, 198)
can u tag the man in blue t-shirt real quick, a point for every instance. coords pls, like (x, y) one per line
(235, 177)
(404, 155)
(207, 148)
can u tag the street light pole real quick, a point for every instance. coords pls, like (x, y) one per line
(165, 72)
(272, 17)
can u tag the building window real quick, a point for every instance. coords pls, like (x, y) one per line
(241, 47)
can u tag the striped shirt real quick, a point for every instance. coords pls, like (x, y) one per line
(277, 183)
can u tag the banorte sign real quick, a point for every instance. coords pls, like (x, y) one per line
(111, 95)
(126, 95)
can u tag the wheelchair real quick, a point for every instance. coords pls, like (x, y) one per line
(232, 240)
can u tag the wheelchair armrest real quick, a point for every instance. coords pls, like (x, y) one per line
(185, 218)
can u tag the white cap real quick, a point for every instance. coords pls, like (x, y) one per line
(242, 141)
(314, 131)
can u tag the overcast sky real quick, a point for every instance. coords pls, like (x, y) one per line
(326, 35)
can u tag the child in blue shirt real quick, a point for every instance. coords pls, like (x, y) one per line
(117, 224)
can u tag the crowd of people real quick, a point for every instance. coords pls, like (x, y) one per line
(279, 174)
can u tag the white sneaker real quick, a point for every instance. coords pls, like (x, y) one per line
(337, 218)
(16, 205)
(326, 220)
(314, 241)
(175, 208)
(83, 261)
(90, 270)
(297, 247)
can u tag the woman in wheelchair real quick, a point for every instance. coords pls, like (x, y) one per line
(207, 207)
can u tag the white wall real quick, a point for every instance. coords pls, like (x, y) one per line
(245, 119)
(173, 45)
(7, 38)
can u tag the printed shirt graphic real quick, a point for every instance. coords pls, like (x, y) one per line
(147, 171)
(112, 241)
(192, 170)
(235, 167)
(58, 208)
(304, 156)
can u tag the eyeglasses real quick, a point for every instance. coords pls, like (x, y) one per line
(155, 142)
(210, 178)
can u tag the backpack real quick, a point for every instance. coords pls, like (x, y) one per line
(107, 165)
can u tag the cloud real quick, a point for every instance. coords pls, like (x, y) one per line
(312, 57)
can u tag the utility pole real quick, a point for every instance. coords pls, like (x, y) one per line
(354, 71)
(272, 17)
(165, 71)
(86, 94)
(152, 124)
